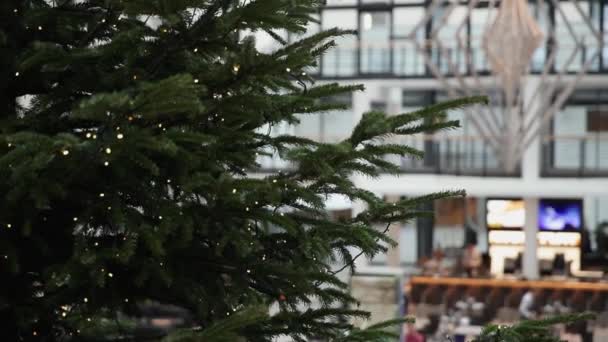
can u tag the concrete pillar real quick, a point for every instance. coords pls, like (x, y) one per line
(394, 99)
(530, 257)
(482, 231)
(392, 255)
(361, 104)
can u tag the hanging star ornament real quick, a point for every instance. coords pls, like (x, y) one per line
(511, 41)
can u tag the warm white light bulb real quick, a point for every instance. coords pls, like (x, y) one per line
(119, 136)
(108, 150)
(65, 152)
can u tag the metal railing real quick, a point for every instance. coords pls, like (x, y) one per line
(575, 155)
(443, 154)
(399, 58)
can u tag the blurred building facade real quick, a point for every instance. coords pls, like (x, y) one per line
(567, 159)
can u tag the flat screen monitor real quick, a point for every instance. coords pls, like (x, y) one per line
(560, 215)
(505, 214)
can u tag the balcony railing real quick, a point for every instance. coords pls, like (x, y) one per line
(575, 155)
(399, 58)
(454, 155)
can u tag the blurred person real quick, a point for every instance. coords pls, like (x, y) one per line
(471, 260)
(436, 265)
(526, 306)
(412, 334)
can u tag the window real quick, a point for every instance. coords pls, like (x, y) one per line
(416, 99)
(480, 20)
(378, 106)
(565, 39)
(452, 34)
(375, 42)
(333, 125)
(341, 60)
(406, 60)
(597, 120)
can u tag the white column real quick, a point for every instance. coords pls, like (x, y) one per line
(531, 158)
(482, 231)
(394, 100)
(530, 257)
(361, 104)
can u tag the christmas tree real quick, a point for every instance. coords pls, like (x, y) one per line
(129, 135)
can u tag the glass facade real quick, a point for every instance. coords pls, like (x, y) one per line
(383, 44)
(577, 143)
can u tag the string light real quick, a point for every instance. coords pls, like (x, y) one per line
(106, 163)
(35, 333)
(234, 191)
(110, 275)
(196, 80)
(195, 49)
(9, 225)
(126, 300)
(94, 136)
(119, 136)
(103, 21)
(39, 28)
(108, 150)
(248, 271)
(88, 135)
(10, 145)
(236, 68)
(288, 70)
(160, 125)
(110, 208)
(101, 194)
(17, 74)
(86, 300)
(160, 217)
(75, 219)
(65, 152)
(63, 314)
(303, 74)
(96, 244)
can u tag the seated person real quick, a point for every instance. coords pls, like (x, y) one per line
(437, 265)
(471, 260)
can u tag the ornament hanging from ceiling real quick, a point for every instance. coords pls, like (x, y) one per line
(510, 43)
(521, 102)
